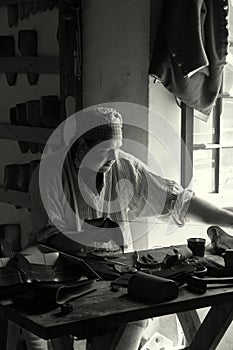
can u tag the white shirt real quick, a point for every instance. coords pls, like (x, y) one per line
(131, 191)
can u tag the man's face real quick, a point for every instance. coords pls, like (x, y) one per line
(102, 156)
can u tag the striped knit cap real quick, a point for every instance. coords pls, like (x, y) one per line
(101, 123)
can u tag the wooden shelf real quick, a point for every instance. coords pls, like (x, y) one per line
(19, 199)
(38, 65)
(26, 133)
(206, 146)
(225, 95)
(13, 2)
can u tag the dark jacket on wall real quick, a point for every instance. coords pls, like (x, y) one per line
(190, 50)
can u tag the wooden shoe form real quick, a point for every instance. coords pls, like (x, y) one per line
(21, 9)
(23, 177)
(27, 45)
(33, 113)
(12, 15)
(7, 49)
(50, 111)
(21, 113)
(11, 176)
(23, 146)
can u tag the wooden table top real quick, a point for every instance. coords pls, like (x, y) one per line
(104, 309)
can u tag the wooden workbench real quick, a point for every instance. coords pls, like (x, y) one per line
(103, 310)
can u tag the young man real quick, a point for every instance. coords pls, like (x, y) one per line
(99, 180)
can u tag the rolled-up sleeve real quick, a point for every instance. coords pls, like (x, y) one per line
(178, 200)
(158, 196)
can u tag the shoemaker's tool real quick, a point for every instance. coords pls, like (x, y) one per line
(199, 285)
(65, 309)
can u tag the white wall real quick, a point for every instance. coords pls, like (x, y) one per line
(116, 60)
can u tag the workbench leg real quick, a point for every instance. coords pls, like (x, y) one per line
(62, 343)
(213, 327)
(3, 331)
(190, 323)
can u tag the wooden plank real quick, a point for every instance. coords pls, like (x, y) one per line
(19, 199)
(213, 327)
(13, 2)
(62, 343)
(27, 133)
(29, 64)
(70, 49)
(217, 111)
(104, 309)
(186, 145)
(190, 323)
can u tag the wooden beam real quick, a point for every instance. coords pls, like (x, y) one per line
(190, 322)
(187, 144)
(217, 111)
(19, 199)
(47, 64)
(27, 133)
(213, 327)
(14, 2)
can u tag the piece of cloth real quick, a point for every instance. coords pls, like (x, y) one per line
(130, 191)
(190, 50)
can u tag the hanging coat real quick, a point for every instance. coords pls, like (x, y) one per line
(190, 50)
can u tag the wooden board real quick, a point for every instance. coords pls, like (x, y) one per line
(26, 133)
(19, 199)
(103, 309)
(29, 64)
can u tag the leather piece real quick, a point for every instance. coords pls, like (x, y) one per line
(151, 288)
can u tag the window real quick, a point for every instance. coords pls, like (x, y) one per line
(213, 140)
(213, 143)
